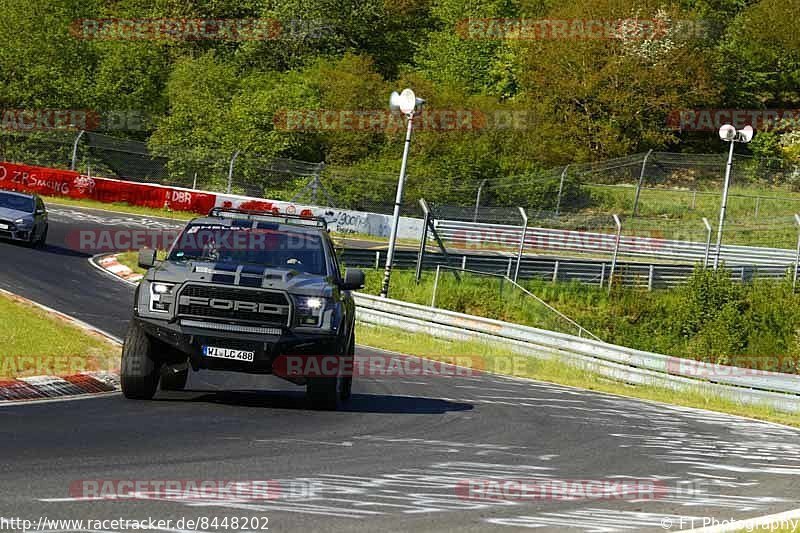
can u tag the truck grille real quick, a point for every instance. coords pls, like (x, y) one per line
(234, 305)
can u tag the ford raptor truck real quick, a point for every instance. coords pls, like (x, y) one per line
(237, 291)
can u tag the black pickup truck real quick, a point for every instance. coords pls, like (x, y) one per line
(237, 291)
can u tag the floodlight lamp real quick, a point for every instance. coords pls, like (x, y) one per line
(746, 134)
(727, 133)
(405, 102)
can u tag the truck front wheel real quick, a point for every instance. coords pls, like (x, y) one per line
(139, 371)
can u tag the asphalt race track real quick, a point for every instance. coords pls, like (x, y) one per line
(393, 460)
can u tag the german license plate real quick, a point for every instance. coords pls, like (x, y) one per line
(228, 353)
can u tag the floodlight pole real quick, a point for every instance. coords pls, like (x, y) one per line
(478, 201)
(75, 149)
(397, 202)
(230, 171)
(618, 223)
(522, 237)
(561, 189)
(641, 182)
(708, 241)
(724, 206)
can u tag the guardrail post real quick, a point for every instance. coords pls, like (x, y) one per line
(797, 256)
(194, 181)
(708, 241)
(432, 227)
(521, 241)
(602, 274)
(694, 199)
(435, 285)
(639, 184)
(650, 278)
(463, 262)
(616, 252)
(561, 190)
(555, 271)
(423, 241)
(508, 270)
(758, 203)
(230, 171)
(377, 259)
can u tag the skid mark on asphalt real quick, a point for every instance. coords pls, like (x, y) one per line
(434, 489)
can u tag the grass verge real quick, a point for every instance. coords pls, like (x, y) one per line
(37, 343)
(502, 361)
(131, 260)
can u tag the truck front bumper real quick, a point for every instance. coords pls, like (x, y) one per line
(266, 347)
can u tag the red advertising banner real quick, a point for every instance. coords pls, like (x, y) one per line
(54, 182)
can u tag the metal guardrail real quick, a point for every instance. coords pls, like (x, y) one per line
(475, 234)
(588, 271)
(779, 391)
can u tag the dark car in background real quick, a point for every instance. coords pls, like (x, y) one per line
(23, 217)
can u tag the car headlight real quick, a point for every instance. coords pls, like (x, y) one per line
(23, 222)
(158, 290)
(309, 310)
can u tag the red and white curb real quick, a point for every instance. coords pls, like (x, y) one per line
(48, 388)
(110, 264)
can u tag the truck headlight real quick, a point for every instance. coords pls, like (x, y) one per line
(157, 290)
(309, 310)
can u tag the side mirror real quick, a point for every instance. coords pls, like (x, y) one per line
(353, 279)
(147, 258)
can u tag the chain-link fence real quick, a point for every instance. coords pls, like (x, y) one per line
(592, 235)
(656, 193)
(654, 184)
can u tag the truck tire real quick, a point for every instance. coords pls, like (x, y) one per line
(325, 394)
(347, 381)
(139, 372)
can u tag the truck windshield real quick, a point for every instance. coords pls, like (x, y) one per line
(299, 251)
